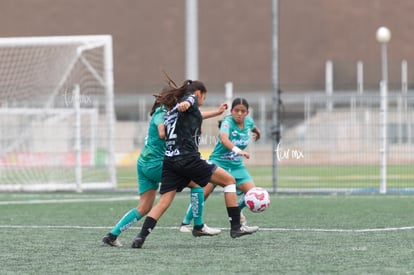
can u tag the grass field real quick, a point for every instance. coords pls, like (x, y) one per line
(360, 178)
(60, 233)
(317, 178)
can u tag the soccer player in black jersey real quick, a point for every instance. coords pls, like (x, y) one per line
(183, 166)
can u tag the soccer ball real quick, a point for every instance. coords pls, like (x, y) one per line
(257, 199)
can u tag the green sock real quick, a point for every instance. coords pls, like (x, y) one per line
(188, 215)
(128, 220)
(197, 203)
(241, 202)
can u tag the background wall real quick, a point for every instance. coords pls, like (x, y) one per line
(234, 39)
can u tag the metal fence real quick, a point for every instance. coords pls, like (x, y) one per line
(329, 142)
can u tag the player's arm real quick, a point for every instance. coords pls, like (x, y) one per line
(256, 132)
(186, 103)
(224, 137)
(219, 111)
(161, 130)
(183, 106)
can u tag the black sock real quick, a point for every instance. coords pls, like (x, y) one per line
(147, 227)
(198, 227)
(234, 216)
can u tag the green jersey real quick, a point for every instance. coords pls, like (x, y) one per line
(224, 157)
(154, 146)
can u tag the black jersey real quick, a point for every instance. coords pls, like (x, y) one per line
(183, 129)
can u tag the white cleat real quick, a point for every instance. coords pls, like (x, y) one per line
(243, 230)
(251, 229)
(185, 228)
(206, 231)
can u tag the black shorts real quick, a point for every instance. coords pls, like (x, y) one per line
(177, 173)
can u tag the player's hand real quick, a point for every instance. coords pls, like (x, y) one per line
(256, 133)
(256, 136)
(183, 106)
(222, 108)
(244, 154)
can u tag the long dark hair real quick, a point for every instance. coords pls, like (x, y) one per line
(169, 97)
(157, 104)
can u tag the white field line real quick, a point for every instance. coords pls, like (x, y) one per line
(275, 229)
(125, 198)
(336, 230)
(46, 201)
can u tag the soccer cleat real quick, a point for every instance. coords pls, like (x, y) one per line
(185, 228)
(205, 231)
(243, 230)
(243, 220)
(138, 242)
(252, 228)
(111, 240)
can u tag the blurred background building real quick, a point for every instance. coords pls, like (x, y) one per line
(234, 39)
(235, 45)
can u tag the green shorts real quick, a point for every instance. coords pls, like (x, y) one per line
(149, 175)
(241, 175)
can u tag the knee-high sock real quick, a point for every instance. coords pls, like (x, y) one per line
(234, 217)
(188, 215)
(197, 203)
(128, 220)
(147, 227)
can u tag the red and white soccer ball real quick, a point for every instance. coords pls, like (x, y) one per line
(257, 199)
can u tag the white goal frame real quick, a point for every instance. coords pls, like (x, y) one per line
(104, 78)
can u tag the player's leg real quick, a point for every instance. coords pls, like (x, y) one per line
(149, 175)
(153, 216)
(244, 187)
(197, 206)
(227, 181)
(172, 181)
(244, 183)
(135, 214)
(199, 171)
(149, 178)
(189, 213)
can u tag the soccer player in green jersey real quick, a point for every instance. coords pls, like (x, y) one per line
(183, 165)
(234, 136)
(149, 168)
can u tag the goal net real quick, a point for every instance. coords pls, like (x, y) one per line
(56, 113)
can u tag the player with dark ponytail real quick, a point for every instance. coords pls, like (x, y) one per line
(183, 165)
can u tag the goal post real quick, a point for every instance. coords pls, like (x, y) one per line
(57, 113)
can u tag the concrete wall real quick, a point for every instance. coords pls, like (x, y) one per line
(234, 38)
